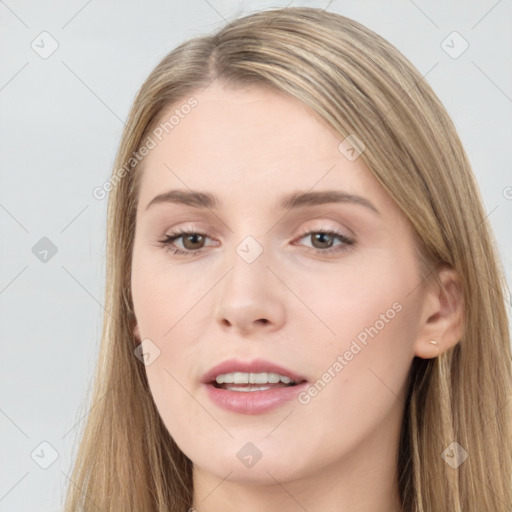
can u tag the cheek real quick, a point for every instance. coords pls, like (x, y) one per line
(345, 302)
(163, 294)
(165, 301)
(351, 295)
(361, 367)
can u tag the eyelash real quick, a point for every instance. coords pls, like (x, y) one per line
(170, 238)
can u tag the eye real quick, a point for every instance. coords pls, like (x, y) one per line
(323, 241)
(193, 242)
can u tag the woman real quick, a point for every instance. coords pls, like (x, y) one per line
(306, 306)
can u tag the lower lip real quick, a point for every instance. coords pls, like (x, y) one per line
(253, 402)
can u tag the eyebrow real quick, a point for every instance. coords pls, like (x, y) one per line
(199, 199)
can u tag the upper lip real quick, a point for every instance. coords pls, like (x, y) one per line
(255, 366)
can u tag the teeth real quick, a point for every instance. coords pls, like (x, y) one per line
(252, 378)
(247, 389)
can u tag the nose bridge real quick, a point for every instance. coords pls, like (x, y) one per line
(250, 234)
(248, 264)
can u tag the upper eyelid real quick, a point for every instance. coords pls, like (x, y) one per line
(190, 228)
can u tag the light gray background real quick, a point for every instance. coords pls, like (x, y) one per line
(61, 120)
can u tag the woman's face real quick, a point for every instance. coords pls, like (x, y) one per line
(265, 283)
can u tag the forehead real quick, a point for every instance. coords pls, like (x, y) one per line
(248, 140)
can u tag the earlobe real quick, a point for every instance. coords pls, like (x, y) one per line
(442, 324)
(428, 349)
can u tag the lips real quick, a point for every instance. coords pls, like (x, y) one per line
(251, 398)
(255, 366)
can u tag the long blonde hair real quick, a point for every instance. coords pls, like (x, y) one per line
(359, 84)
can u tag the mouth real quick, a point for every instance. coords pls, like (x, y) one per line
(254, 387)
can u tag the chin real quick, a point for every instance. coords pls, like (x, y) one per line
(247, 464)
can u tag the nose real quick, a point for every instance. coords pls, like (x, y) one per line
(250, 298)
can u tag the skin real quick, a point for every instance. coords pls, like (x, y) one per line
(251, 146)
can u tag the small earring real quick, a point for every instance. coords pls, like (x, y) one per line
(434, 342)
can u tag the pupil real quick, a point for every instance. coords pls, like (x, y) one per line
(192, 237)
(321, 235)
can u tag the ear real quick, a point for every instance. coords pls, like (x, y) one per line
(442, 319)
(136, 333)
